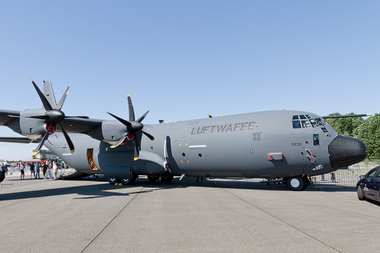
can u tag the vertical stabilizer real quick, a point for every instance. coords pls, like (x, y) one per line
(49, 93)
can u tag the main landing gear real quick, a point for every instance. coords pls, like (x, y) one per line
(156, 178)
(297, 183)
(124, 181)
(132, 179)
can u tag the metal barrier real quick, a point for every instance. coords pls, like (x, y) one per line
(342, 178)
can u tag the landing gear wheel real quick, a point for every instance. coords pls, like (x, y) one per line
(297, 183)
(153, 178)
(360, 193)
(167, 179)
(113, 180)
(131, 179)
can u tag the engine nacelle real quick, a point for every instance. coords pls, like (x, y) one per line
(109, 132)
(31, 126)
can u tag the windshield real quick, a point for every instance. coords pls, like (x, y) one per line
(305, 121)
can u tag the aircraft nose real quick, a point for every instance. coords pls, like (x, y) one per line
(345, 151)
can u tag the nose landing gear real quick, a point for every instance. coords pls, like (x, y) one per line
(297, 183)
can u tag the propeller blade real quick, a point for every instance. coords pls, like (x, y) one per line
(137, 148)
(148, 135)
(68, 140)
(43, 139)
(126, 123)
(143, 117)
(60, 103)
(119, 142)
(131, 110)
(45, 102)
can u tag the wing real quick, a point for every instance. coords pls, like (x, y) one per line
(7, 116)
(78, 125)
(17, 140)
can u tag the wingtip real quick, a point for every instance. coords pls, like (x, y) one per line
(72, 150)
(135, 158)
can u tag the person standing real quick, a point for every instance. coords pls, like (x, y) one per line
(22, 170)
(44, 168)
(49, 170)
(38, 169)
(4, 169)
(2, 174)
(32, 171)
(55, 170)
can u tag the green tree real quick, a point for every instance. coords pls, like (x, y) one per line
(369, 132)
(345, 126)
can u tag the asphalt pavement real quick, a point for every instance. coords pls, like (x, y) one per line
(227, 215)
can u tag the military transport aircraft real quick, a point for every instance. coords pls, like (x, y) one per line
(291, 145)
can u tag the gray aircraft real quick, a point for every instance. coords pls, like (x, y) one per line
(287, 145)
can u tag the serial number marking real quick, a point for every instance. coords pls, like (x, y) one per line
(296, 144)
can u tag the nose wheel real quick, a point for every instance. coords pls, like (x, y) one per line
(297, 183)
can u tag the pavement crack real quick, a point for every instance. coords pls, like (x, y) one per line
(101, 231)
(282, 221)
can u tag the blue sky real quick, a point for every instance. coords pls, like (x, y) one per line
(186, 59)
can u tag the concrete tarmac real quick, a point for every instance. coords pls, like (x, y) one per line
(213, 216)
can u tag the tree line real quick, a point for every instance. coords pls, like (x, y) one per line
(367, 130)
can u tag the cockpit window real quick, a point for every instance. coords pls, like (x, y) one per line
(320, 121)
(305, 121)
(313, 123)
(296, 124)
(305, 124)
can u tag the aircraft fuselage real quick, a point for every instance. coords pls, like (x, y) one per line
(271, 144)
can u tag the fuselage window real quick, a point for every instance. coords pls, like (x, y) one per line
(302, 117)
(295, 116)
(324, 129)
(316, 139)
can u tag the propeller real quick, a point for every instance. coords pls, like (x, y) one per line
(134, 128)
(53, 116)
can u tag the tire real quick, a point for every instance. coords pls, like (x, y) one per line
(127, 181)
(113, 180)
(360, 193)
(296, 183)
(167, 179)
(153, 178)
(131, 179)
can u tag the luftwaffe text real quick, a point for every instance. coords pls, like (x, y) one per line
(224, 128)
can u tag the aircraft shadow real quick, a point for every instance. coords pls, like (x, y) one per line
(100, 190)
(103, 189)
(238, 184)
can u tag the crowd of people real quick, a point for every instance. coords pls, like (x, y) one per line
(46, 169)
